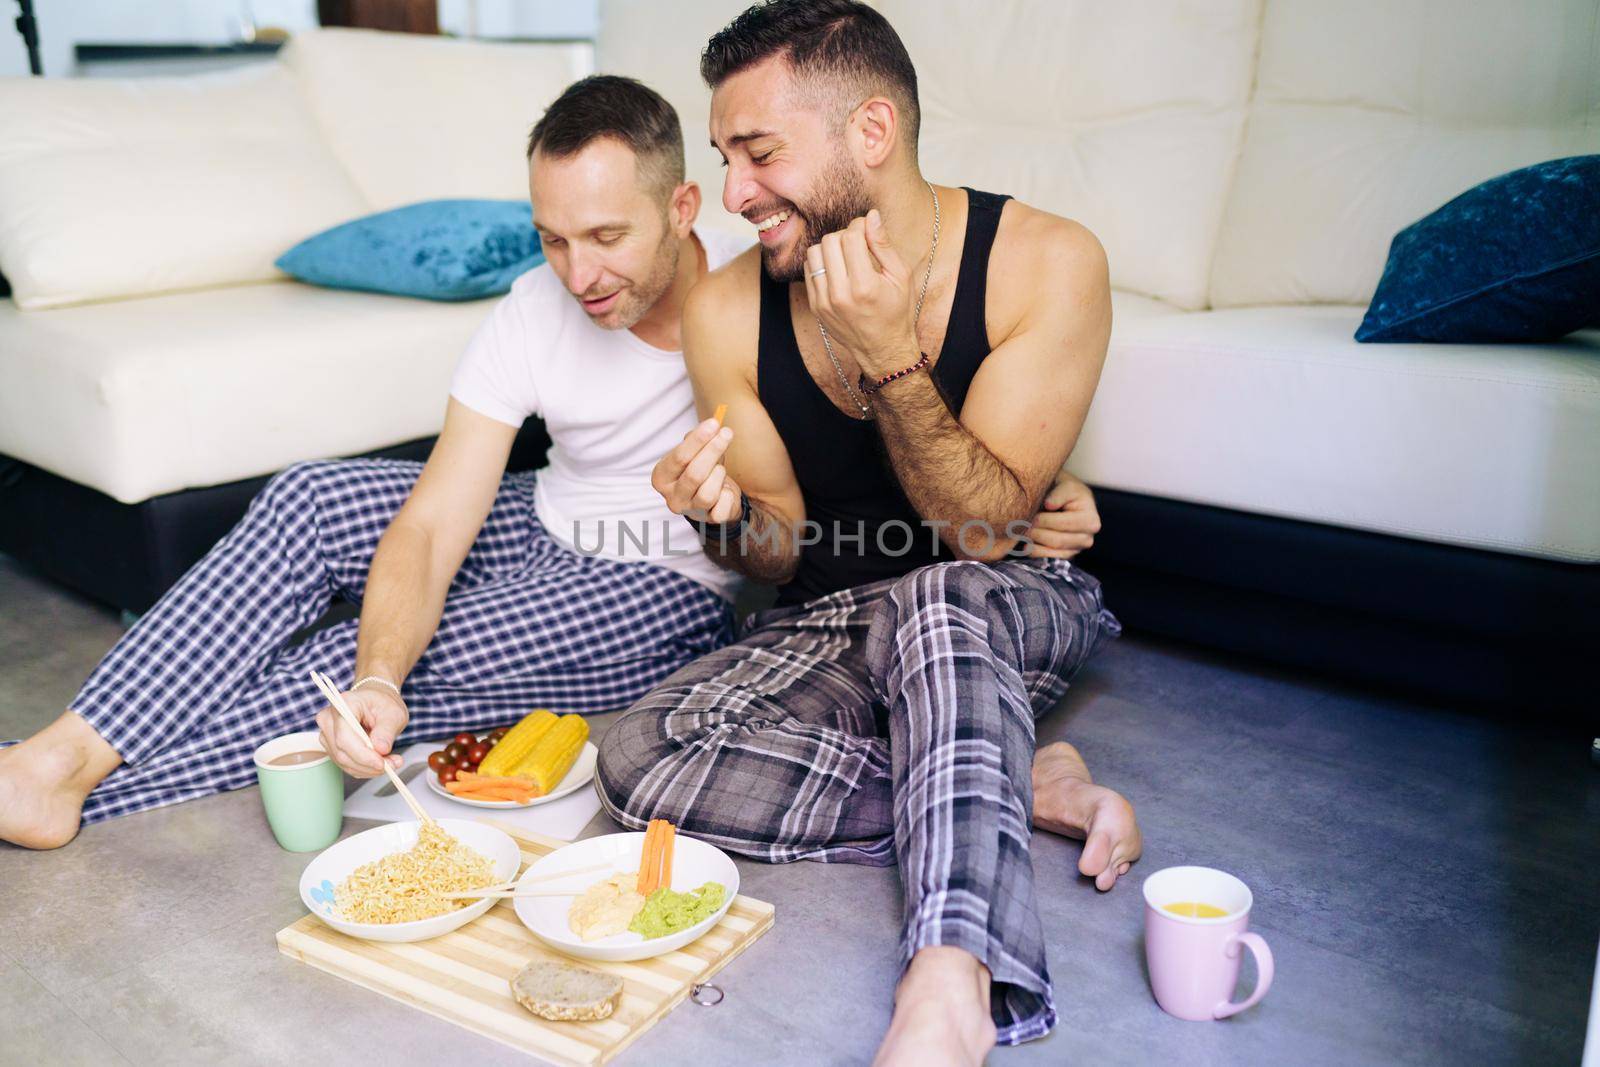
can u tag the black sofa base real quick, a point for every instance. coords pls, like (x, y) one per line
(1475, 628)
(1457, 624)
(127, 555)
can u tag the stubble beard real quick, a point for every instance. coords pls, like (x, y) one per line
(637, 301)
(840, 197)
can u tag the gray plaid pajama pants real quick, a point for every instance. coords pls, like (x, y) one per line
(208, 674)
(892, 721)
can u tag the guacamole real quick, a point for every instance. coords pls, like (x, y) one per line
(666, 911)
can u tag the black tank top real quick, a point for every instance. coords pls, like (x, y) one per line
(840, 462)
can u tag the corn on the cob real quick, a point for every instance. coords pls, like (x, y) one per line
(515, 746)
(555, 753)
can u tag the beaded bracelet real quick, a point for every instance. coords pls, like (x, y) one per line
(381, 681)
(872, 387)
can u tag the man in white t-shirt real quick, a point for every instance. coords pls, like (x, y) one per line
(483, 595)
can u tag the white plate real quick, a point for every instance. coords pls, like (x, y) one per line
(575, 779)
(693, 864)
(334, 865)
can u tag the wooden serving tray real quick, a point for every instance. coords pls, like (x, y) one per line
(464, 977)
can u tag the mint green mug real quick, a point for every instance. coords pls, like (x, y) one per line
(302, 790)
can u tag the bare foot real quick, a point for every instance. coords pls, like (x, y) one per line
(941, 1012)
(44, 781)
(1066, 801)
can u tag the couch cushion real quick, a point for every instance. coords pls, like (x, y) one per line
(1279, 411)
(415, 117)
(437, 250)
(142, 397)
(1369, 115)
(119, 187)
(1514, 259)
(1126, 117)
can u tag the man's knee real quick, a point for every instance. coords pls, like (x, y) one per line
(631, 748)
(939, 583)
(924, 597)
(297, 483)
(929, 606)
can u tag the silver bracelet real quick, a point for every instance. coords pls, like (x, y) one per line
(381, 681)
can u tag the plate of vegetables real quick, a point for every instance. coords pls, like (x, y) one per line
(542, 758)
(664, 891)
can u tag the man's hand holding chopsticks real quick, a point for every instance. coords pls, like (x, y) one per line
(382, 713)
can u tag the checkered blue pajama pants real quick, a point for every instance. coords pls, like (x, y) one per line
(889, 721)
(208, 675)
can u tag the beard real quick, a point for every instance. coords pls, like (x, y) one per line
(637, 300)
(840, 196)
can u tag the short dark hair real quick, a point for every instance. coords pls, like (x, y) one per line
(606, 105)
(841, 41)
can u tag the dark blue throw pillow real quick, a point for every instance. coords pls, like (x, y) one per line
(438, 249)
(1515, 259)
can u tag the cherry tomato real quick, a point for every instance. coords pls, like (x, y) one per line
(496, 736)
(469, 766)
(438, 761)
(456, 751)
(447, 775)
(476, 752)
(465, 738)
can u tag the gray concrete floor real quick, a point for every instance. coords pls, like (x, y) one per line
(1427, 880)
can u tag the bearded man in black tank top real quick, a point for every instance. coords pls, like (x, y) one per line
(904, 368)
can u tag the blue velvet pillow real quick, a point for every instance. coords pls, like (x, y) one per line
(1515, 259)
(438, 249)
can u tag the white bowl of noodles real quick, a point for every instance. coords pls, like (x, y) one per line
(374, 885)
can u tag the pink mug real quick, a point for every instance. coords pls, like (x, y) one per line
(1194, 962)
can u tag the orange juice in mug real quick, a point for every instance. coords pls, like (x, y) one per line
(1195, 921)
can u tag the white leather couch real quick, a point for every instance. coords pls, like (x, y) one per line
(1245, 163)
(150, 345)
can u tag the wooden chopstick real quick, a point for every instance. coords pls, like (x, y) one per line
(510, 895)
(507, 887)
(325, 684)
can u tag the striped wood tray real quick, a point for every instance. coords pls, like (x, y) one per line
(464, 976)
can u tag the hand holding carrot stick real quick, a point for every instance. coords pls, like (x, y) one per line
(693, 479)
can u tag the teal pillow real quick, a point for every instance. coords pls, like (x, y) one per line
(438, 250)
(1516, 258)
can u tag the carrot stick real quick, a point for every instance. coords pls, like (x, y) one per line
(644, 857)
(661, 849)
(521, 780)
(666, 855)
(489, 794)
(720, 414)
(476, 791)
(492, 783)
(652, 836)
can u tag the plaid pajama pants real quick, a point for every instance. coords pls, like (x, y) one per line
(208, 674)
(889, 721)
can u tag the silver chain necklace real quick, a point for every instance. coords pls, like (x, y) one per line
(916, 317)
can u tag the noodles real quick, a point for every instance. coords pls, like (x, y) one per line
(402, 887)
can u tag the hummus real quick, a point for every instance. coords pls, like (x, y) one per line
(668, 911)
(606, 907)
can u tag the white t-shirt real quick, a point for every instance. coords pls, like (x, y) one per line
(613, 404)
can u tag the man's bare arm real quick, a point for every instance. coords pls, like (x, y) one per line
(992, 466)
(424, 546)
(416, 560)
(704, 475)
